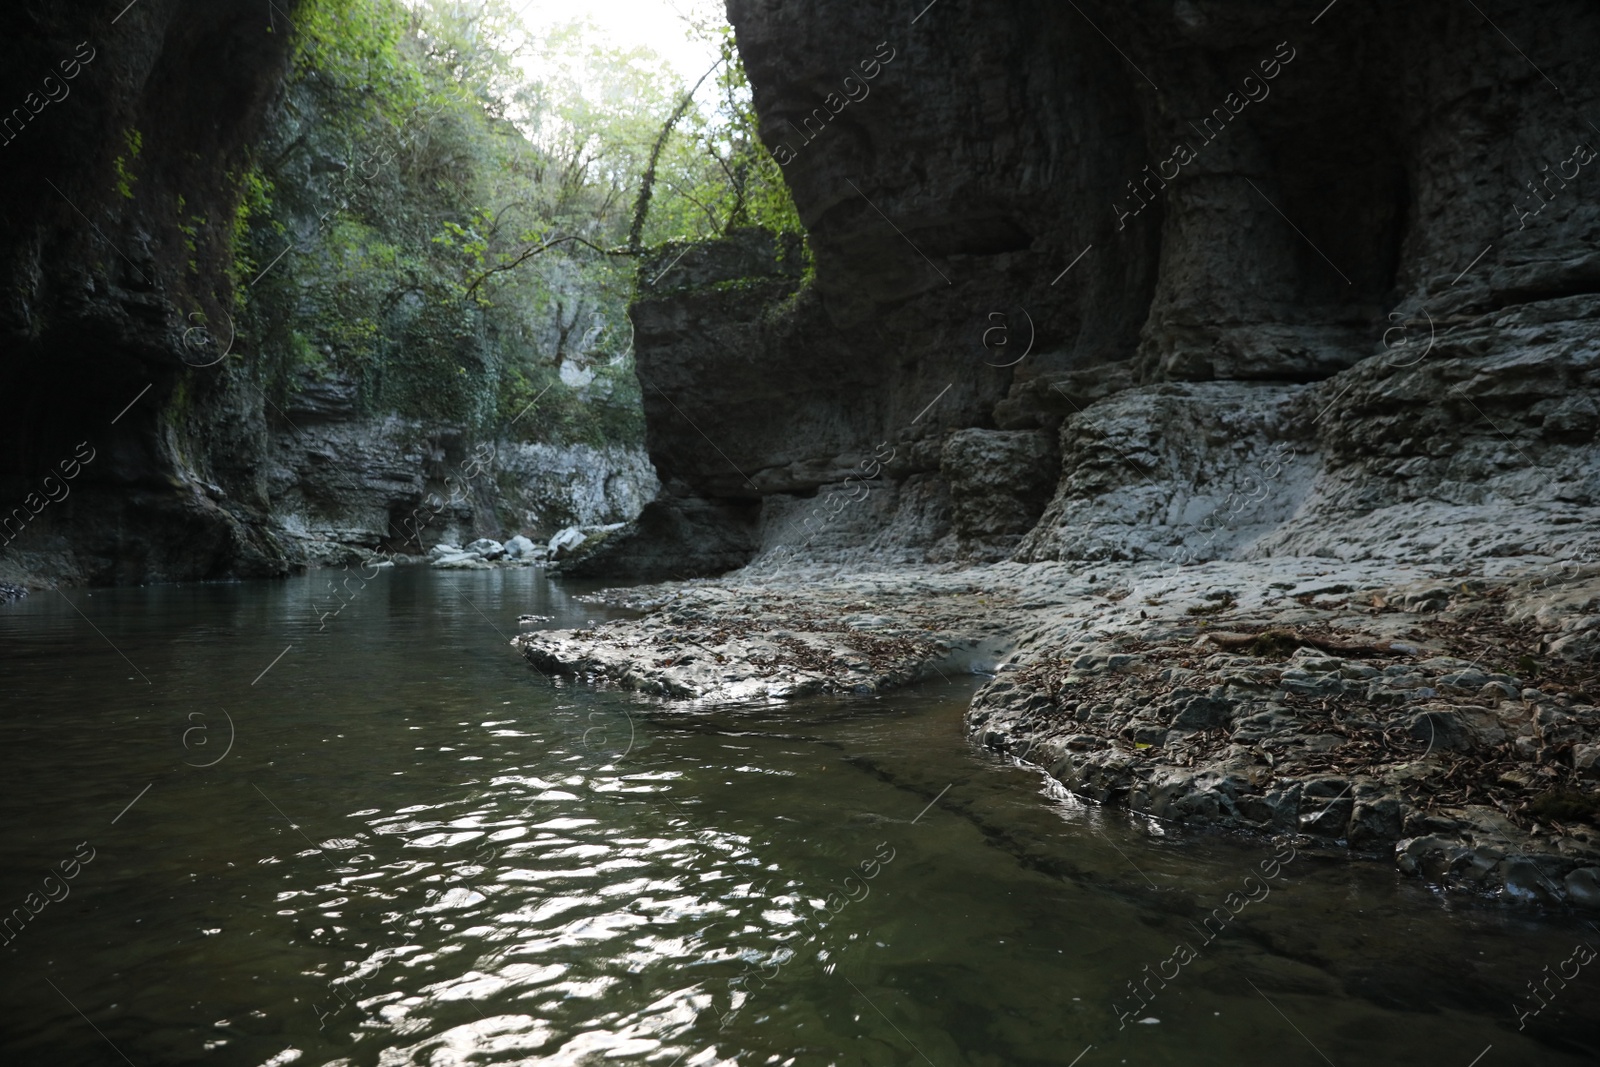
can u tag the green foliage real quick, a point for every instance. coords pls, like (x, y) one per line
(446, 230)
(609, 411)
(469, 240)
(354, 50)
(190, 226)
(134, 141)
(440, 370)
(255, 202)
(721, 170)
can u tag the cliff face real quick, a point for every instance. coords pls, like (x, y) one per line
(1228, 280)
(124, 132)
(161, 421)
(711, 355)
(344, 483)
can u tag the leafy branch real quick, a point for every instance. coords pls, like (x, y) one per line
(528, 253)
(641, 208)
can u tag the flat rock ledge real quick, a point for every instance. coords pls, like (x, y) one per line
(1443, 719)
(756, 639)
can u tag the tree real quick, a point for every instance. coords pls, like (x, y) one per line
(448, 229)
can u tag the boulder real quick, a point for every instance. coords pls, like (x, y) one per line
(566, 542)
(1583, 887)
(1444, 729)
(1202, 713)
(488, 548)
(1000, 482)
(576, 543)
(466, 561)
(1375, 822)
(520, 547)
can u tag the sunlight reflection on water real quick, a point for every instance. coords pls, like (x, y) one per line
(420, 852)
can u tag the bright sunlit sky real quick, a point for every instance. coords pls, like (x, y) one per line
(655, 24)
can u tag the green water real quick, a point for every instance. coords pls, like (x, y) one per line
(409, 847)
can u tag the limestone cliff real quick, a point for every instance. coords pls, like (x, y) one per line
(167, 416)
(1156, 280)
(343, 482)
(114, 275)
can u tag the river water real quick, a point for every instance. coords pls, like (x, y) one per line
(380, 838)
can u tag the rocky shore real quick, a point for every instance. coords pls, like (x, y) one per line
(1440, 717)
(782, 634)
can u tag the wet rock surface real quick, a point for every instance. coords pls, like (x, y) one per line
(1426, 720)
(1442, 720)
(786, 634)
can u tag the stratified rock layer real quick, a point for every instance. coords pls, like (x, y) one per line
(1279, 287)
(342, 482)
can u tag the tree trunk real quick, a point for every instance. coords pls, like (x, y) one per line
(641, 207)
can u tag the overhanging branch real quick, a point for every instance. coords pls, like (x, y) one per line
(641, 207)
(528, 253)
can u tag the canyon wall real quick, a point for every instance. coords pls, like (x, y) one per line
(120, 459)
(344, 483)
(1160, 280)
(166, 418)
(1170, 280)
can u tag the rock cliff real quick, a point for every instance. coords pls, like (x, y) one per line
(1252, 352)
(111, 285)
(1163, 280)
(167, 418)
(343, 483)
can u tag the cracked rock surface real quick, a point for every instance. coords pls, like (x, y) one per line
(1444, 719)
(773, 638)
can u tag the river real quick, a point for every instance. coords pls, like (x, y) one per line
(244, 831)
